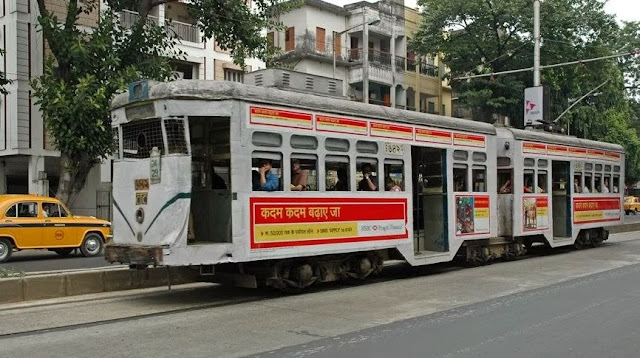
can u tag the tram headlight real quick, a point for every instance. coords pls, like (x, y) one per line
(140, 215)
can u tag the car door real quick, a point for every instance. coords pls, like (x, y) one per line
(24, 224)
(58, 230)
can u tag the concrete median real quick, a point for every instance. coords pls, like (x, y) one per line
(63, 284)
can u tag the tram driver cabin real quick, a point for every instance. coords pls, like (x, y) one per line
(380, 183)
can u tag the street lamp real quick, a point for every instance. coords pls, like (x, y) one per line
(372, 22)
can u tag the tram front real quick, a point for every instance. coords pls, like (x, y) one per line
(151, 181)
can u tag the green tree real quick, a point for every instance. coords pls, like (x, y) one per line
(86, 68)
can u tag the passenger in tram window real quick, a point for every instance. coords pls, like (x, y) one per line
(605, 188)
(368, 182)
(343, 180)
(506, 187)
(268, 180)
(390, 185)
(528, 188)
(576, 185)
(299, 176)
(585, 190)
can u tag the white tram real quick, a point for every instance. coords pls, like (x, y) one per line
(186, 189)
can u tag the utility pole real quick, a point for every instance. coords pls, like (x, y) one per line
(536, 48)
(365, 57)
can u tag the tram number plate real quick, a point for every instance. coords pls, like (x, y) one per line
(142, 198)
(393, 148)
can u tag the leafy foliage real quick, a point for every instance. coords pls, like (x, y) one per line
(87, 68)
(486, 36)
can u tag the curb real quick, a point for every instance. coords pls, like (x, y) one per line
(45, 286)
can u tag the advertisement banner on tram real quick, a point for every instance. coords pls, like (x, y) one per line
(535, 213)
(287, 222)
(595, 210)
(472, 215)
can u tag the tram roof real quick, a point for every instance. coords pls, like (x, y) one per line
(552, 138)
(219, 90)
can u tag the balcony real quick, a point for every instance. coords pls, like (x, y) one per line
(184, 31)
(428, 69)
(128, 18)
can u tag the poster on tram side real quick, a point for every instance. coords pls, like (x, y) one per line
(535, 213)
(596, 210)
(293, 222)
(472, 214)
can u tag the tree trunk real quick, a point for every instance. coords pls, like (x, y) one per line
(73, 176)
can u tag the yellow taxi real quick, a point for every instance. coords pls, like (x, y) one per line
(40, 222)
(631, 205)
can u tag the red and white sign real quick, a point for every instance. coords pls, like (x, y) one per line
(387, 130)
(567, 151)
(341, 125)
(595, 210)
(280, 118)
(469, 140)
(289, 222)
(472, 215)
(535, 213)
(433, 136)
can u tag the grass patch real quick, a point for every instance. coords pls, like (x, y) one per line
(7, 273)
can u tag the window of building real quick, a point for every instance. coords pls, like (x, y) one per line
(505, 181)
(233, 75)
(363, 146)
(577, 183)
(266, 171)
(337, 43)
(597, 183)
(443, 110)
(304, 142)
(337, 173)
(336, 145)
(367, 174)
(394, 175)
(431, 107)
(27, 210)
(460, 155)
(542, 185)
(460, 183)
(528, 177)
(479, 177)
(270, 39)
(304, 172)
(266, 139)
(290, 39)
(320, 39)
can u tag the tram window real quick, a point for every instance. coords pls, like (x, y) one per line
(597, 183)
(363, 146)
(616, 169)
(607, 168)
(266, 171)
(588, 167)
(543, 163)
(394, 175)
(542, 182)
(336, 145)
(304, 142)
(606, 185)
(528, 177)
(504, 181)
(176, 139)
(479, 157)
(266, 139)
(504, 161)
(337, 173)
(577, 183)
(304, 172)
(367, 174)
(616, 184)
(460, 178)
(588, 185)
(460, 155)
(598, 167)
(479, 177)
(529, 162)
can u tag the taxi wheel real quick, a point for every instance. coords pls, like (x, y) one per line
(6, 249)
(92, 245)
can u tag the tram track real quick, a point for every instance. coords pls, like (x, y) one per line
(229, 296)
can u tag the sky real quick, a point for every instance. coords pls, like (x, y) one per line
(625, 10)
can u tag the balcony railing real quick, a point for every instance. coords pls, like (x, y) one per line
(184, 31)
(411, 65)
(128, 18)
(428, 69)
(400, 63)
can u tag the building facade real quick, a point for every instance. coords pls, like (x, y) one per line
(29, 162)
(366, 46)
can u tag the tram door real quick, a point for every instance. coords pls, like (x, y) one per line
(561, 201)
(429, 199)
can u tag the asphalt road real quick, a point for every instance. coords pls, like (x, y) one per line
(40, 260)
(565, 303)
